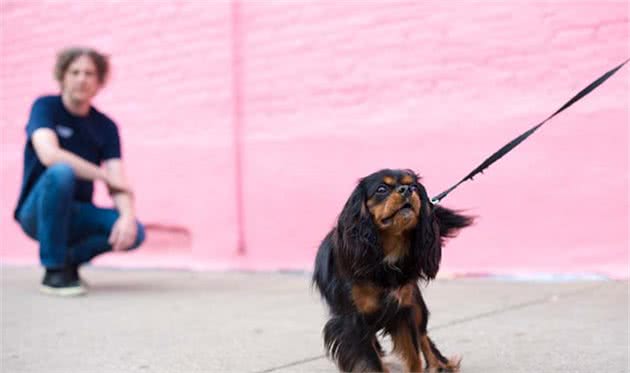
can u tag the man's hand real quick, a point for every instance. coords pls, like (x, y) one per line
(123, 233)
(125, 230)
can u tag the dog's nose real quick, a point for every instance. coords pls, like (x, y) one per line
(405, 190)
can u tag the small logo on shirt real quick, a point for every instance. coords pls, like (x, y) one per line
(64, 131)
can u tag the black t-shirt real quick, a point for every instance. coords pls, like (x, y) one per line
(93, 137)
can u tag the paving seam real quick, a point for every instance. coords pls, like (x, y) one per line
(462, 320)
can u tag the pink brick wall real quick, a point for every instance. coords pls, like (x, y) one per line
(328, 92)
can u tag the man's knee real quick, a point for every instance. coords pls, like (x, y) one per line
(61, 175)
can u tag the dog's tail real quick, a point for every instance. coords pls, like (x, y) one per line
(451, 221)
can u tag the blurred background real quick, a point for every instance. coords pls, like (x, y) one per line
(246, 124)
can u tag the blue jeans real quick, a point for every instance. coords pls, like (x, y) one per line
(69, 232)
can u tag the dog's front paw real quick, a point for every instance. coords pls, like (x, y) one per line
(452, 365)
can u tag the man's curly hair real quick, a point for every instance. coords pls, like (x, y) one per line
(66, 56)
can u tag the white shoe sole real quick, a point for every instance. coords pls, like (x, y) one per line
(63, 292)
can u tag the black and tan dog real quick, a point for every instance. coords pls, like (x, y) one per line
(388, 238)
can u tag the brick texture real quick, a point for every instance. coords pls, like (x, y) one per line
(326, 92)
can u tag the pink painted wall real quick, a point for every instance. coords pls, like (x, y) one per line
(328, 92)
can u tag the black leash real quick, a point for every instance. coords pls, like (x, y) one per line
(512, 144)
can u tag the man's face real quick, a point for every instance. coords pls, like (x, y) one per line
(80, 82)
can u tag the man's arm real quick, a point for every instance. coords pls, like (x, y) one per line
(124, 232)
(49, 152)
(123, 198)
(46, 145)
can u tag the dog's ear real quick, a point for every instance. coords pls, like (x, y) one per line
(450, 221)
(436, 224)
(427, 245)
(356, 235)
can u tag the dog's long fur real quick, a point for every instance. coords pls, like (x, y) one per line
(368, 267)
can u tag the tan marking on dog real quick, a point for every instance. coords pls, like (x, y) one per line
(366, 298)
(405, 295)
(404, 347)
(417, 314)
(394, 236)
(416, 203)
(377, 210)
(370, 202)
(433, 363)
(389, 180)
(395, 246)
(388, 207)
(407, 180)
(385, 208)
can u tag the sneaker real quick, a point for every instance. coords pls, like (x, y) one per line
(74, 270)
(62, 282)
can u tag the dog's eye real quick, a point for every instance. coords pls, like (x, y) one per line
(414, 188)
(382, 189)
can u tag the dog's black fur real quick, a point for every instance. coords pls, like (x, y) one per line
(368, 267)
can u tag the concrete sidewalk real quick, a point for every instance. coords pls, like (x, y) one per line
(175, 321)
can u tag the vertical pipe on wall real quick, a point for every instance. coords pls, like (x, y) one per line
(237, 119)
